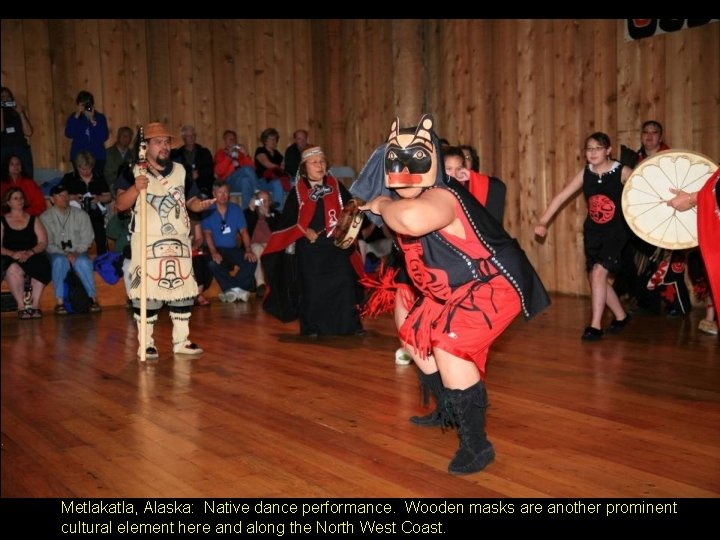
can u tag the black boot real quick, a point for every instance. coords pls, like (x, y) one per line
(468, 409)
(430, 384)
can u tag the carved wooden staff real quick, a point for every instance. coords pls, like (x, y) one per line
(142, 199)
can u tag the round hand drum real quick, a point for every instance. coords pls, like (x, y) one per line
(646, 192)
(349, 224)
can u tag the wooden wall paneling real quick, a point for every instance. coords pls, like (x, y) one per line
(572, 272)
(604, 80)
(706, 91)
(507, 105)
(349, 99)
(284, 81)
(407, 71)
(380, 93)
(431, 59)
(482, 119)
(325, 60)
(39, 100)
(245, 92)
(263, 67)
(159, 82)
(679, 83)
(562, 236)
(463, 98)
(445, 121)
(203, 80)
(179, 90)
(628, 88)
(226, 95)
(652, 75)
(138, 75)
(546, 146)
(88, 60)
(112, 68)
(62, 58)
(13, 56)
(584, 68)
(304, 83)
(528, 104)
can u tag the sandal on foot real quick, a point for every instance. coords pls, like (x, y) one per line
(25, 314)
(592, 334)
(60, 310)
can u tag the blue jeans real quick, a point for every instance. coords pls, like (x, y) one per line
(232, 257)
(83, 267)
(245, 181)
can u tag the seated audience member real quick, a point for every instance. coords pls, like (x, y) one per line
(117, 155)
(262, 217)
(294, 151)
(23, 245)
(268, 167)
(222, 224)
(90, 192)
(13, 175)
(234, 166)
(70, 234)
(196, 159)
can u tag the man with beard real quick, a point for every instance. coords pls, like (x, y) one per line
(169, 256)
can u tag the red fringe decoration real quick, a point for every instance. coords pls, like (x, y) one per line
(382, 296)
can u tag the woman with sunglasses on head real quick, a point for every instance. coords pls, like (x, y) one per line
(604, 231)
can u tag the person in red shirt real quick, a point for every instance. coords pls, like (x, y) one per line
(234, 166)
(14, 176)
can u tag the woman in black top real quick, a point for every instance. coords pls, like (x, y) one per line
(23, 244)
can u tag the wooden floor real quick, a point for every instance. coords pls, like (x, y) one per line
(264, 413)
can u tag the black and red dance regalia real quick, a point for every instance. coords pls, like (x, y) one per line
(318, 282)
(470, 289)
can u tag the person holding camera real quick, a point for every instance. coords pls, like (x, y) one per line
(69, 235)
(90, 192)
(88, 130)
(234, 166)
(16, 128)
(262, 218)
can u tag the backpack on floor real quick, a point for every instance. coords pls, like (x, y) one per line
(75, 297)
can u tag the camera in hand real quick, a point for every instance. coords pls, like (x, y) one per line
(258, 202)
(66, 245)
(89, 106)
(87, 203)
(9, 104)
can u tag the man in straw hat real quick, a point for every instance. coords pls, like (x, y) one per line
(169, 273)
